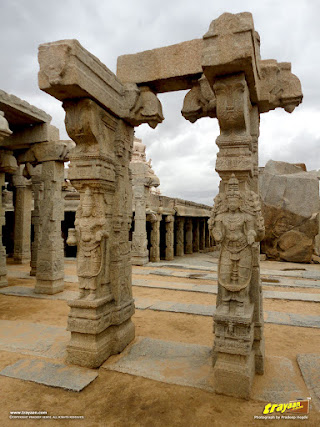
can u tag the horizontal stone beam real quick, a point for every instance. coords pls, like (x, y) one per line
(19, 112)
(164, 69)
(26, 136)
(68, 71)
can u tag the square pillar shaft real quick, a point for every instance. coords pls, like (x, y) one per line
(180, 236)
(189, 236)
(169, 254)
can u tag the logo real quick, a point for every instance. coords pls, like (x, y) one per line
(294, 410)
(295, 407)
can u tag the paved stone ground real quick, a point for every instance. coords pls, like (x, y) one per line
(191, 365)
(185, 364)
(309, 365)
(51, 374)
(33, 338)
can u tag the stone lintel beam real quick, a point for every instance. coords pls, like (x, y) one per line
(230, 46)
(164, 69)
(23, 137)
(68, 71)
(47, 151)
(19, 112)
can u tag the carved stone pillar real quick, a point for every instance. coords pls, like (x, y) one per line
(196, 235)
(207, 243)
(202, 234)
(22, 217)
(100, 319)
(237, 225)
(180, 236)
(50, 247)
(189, 236)
(155, 238)
(7, 164)
(169, 256)
(143, 178)
(37, 189)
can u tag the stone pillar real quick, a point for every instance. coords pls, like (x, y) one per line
(22, 217)
(143, 178)
(202, 234)
(37, 189)
(196, 235)
(50, 251)
(189, 236)
(8, 164)
(180, 236)
(155, 237)
(169, 237)
(207, 234)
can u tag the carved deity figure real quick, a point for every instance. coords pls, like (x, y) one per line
(90, 235)
(236, 224)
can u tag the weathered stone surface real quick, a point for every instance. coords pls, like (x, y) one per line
(309, 365)
(22, 138)
(51, 374)
(290, 203)
(68, 71)
(164, 69)
(20, 112)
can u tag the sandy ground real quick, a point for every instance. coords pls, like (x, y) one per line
(116, 399)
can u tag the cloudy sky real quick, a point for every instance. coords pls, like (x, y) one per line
(183, 154)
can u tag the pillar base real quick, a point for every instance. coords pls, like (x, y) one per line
(3, 282)
(233, 374)
(49, 287)
(140, 259)
(21, 259)
(99, 329)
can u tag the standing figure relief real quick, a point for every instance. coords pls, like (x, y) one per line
(90, 235)
(236, 224)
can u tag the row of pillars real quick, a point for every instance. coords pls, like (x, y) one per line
(187, 236)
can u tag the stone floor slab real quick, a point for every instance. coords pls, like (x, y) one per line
(51, 374)
(23, 291)
(309, 365)
(33, 339)
(276, 317)
(167, 361)
(191, 365)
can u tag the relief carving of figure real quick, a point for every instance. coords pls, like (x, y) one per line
(236, 224)
(91, 236)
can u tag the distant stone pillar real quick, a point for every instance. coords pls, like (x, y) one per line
(196, 235)
(155, 238)
(180, 236)
(202, 238)
(37, 188)
(207, 233)
(189, 236)
(7, 164)
(3, 259)
(169, 256)
(50, 253)
(143, 178)
(22, 217)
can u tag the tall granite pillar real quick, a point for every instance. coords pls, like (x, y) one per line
(180, 236)
(207, 243)
(7, 164)
(189, 236)
(143, 178)
(22, 217)
(169, 255)
(202, 234)
(37, 189)
(155, 237)
(50, 250)
(3, 262)
(101, 114)
(196, 235)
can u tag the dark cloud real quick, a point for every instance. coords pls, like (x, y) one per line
(183, 154)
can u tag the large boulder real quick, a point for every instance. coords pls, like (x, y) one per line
(290, 206)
